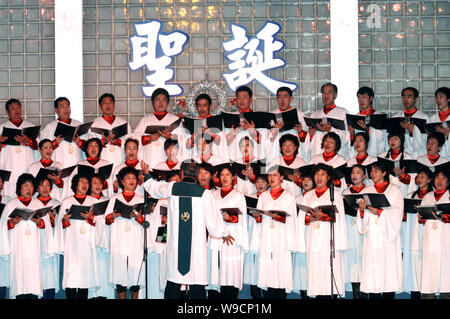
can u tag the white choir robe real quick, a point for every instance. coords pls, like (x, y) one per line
(299, 260)
(287, 184)
(445, 150)
(4, 259)
(382, 251)
(277, 242)
(126, 246)
(369, 160)
(336, 161)
(313, 146)
(111, 153)
(153, 153)
(273, 148)
(50, 263)
(435, 250)
(103, 257)
(140, 188)
(252, 256)
(67, 153)
(213, 160)
(220, 149)
(56, 192)
(353, 256)
(425, 161)
(318, 247)
(227, 261)
(23, 245)
(394, 180)
(15, 159)
(415, 144)
(234, 152)
(78, 245)
(156, 263)
(203, 219)
(245, 186)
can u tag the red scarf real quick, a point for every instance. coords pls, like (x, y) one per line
(438, 194)
(320, 191)
(25, 201)
(381, 187)
(109, 119)
(328, 108)
(68, 121)
(97, 196)
(395, 153)
(202, 118)
(246, 111)
(131, 163)
(128, 196)
(276, 192)
(444, 115)
(44, 200)
(17, 122)
(289, 160)
(354, 189)
(409, 113)
(328, 156)
(433, 159)
(171, 164)
(290, 108)
(361, 158)
(205, 159)
(422, 193)
(80, 198)
(370, 111)
(46, 163)
(225, 191)
(93, 160)
(159, 116)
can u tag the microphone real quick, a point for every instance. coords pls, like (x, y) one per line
(332, 192)
(146, 224)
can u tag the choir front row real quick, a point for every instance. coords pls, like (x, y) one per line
(207, 241)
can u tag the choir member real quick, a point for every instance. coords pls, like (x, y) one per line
(113, 151)
(171, 148)
(203, 143)
(414, 139)
(65, 152)
(354, 254)
(435, 142)
(227, 261)
(15, 158)
(435, 242)
(21, 240)
(4, 262)
(382, 252)
(360, 142)
(247, 149)
(284, 100)
(313, 141)
(126, 237)
(378, 139)
(318, 248)
(152, 145)
(442, 96)
(77, 242)
(49, 264)
(278, 238)
(204, 176)
(186, 232)
(412, 259)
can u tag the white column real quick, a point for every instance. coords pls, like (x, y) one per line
(344, 52)
(69, 54)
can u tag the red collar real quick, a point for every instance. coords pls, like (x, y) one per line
(444, 115)
(275, 193)
(289, 160)
(257, 194)
(409, 113)
(16, 122)
(354, 189)
(328, 156)
(25, 201)
(246, 111)
(128, 196)
(46, 163)
(422, 193)
(225, 191)
(159, 115)
(433, 159)
(202, 118)
(438, 194)
(395, 154)
(68, 121)
(44, 200)
(109, 119)
(93, 160)
(97, 196)
(171, 164)
(381, 187)
(206, 187)
(132, 163)
(370, 111)
(361, 158)
(320, 191)
(80, 198)
(290, 108)
(328, 108)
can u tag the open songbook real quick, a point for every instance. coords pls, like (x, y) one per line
(433, 211)
(68, 132)
(153, 129)
(28, 214)
(118, 131)
(32, 132)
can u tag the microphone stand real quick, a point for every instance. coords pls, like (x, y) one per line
(332, 244)
(146, 225)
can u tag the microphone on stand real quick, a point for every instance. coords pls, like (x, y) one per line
(332, 193)
(332, 254)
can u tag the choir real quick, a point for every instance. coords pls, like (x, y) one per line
(326, 205)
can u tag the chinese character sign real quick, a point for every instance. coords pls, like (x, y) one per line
(250, 58)
(155, 50)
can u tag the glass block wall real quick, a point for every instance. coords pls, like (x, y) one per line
(404, 43)
(107, 26)
(27, 57)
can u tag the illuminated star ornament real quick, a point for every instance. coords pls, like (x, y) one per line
(155, 50)
(250, 58)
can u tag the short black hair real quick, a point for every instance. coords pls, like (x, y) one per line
(400, 134)
(105, 95)
(245, 88)
(61, 98)
(446, 175)
(95, 140)
(382, 167)
(410, 88)
(336, 139)
(131, 140)
(292, 138)
(40, 180)
(228, 167)
(25, 177)
(365, 90)
(125, 171)
(42, 142)
(246, 138)
(284, 89)
(440, 138)
(334, 86)
(365, 136)
(326, 168)
(169, 142)
(203, 96)
(76, 179)
(11, 101)
(159, 91)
